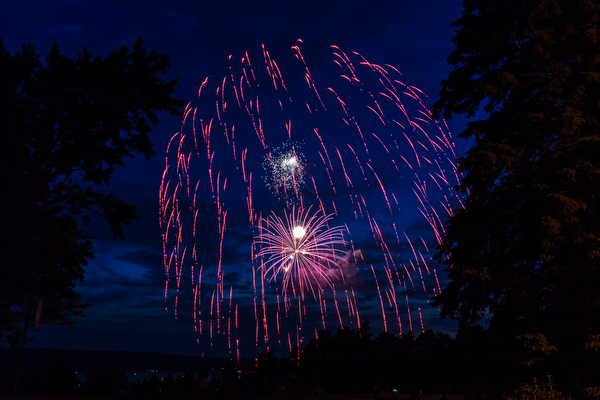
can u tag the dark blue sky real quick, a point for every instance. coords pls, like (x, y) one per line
(125, 282)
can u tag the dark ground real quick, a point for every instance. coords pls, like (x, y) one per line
(384, 396)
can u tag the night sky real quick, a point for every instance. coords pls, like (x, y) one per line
(125, 283)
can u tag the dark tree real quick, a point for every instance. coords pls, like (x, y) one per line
(524, 253)
(66, 125)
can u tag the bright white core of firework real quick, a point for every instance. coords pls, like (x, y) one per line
(290, 163)
(299, 232)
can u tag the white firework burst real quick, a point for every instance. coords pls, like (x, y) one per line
(284, 169)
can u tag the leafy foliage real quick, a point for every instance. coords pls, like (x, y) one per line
(524, 252)
(545, 390)
(66, 125)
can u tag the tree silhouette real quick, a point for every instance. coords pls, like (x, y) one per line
(66, 125)
(523, 253)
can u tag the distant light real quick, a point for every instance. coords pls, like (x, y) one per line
(395, 390)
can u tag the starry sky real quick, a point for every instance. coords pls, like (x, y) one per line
(125, 282)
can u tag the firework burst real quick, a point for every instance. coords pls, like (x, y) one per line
(284, 170)
(302, 249)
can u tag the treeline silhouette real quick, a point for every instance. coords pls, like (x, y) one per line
(353, 361)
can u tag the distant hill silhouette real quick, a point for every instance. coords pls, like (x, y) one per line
(37, 359)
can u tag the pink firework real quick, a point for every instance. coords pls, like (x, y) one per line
(302, 249)
(350, 142)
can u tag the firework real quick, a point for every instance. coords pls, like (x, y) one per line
(341, 140)
(302, 249)
(284, 170)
